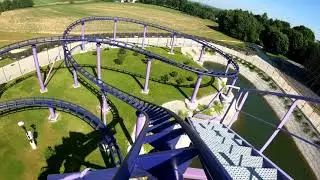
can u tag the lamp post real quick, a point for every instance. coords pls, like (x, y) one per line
(28, 134)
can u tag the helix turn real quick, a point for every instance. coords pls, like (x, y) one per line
(162, 128)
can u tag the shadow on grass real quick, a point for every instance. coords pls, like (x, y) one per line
(116, 119)
(70, 156)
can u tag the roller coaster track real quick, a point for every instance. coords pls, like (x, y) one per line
(162, 128)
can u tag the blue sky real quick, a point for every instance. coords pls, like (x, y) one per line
(296, 12)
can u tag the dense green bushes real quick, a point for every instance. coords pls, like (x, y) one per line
(7, 5)
(189, 7)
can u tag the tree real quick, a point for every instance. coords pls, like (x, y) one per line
(240, 24)
(275, 41)
(308, 35)
(296, 45)
(7, 5)
(312, 58)
(281, 25)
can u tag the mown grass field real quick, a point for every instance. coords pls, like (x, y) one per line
(68, 135)
(52, 20)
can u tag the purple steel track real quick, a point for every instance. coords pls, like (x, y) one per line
(168, 162)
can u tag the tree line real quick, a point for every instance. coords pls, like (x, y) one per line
(276, 36)
(7, 5)
(191, 8)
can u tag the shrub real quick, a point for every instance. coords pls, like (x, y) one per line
(313, 134)
(122, 51)
(186, 62)
(306, 130)
(173, 74)
(144, 61)
(94, 53)
(190, 78)
(119, 61)
(273, 86)
(180, 80)
(305, 124)
(165, 78)
(135, 53)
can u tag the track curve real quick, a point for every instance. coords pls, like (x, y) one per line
(156, 116)
(74, 109)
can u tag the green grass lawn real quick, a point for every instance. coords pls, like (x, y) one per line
(68, 135)
(52, 20)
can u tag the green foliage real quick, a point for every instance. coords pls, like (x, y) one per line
(240, 24)
(173, 73)
(180, 80)
(188, 7)
(94, 53)
(165, 78)
(190, 78)
(7, 5)
(275, 41)
(308, 35)
(122, 53)
(186, 62)
(218, 107)
(136, 53)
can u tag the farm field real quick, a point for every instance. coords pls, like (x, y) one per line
(52, 20)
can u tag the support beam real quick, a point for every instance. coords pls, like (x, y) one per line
(172, 43)
(228, 67)
(283, 122)
(144, 35)
(105, 108)
(196, 89)
(148, 71)
(82, 37)
(75, 79)
(201, 53)
(43, 89)
(98, 45)
(238, 107)
(234, 80)
(53, 115)
(140, 122)
(115, 28)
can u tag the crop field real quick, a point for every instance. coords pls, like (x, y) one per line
(52, 20)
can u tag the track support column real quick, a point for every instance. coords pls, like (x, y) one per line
(283, 121)
(236, 109)
(43, 89)
(115, 28)
(201, 53)
(192, 104)
(140, 122)
(75, 79)
(172, 43)
(104, 106)
(145, 90)
(98, 49)
(144, 35)
(53, 115)
(82, 37)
